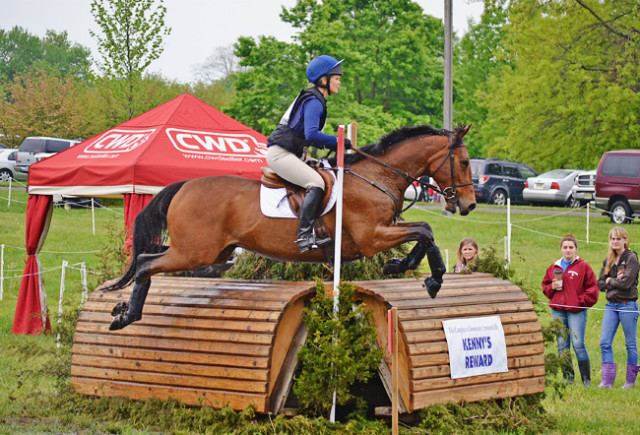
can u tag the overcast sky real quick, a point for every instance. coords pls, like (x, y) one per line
(198, 26)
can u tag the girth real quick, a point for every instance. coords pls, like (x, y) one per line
(295, 193)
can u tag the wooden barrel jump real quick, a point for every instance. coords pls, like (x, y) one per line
(423, 352)
(220, 342)
(201, 341)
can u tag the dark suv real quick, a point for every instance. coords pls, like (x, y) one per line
(496, 180)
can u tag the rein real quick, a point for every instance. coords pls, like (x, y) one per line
(449, 193)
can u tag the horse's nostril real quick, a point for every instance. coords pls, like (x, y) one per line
(472, 207)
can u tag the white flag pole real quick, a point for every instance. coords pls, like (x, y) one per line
(338, 239)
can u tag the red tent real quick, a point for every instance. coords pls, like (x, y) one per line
(182, 139)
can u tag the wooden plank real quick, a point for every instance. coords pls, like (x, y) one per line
(443, 358)
(444, 370)
(473, 393)
(282, 386)
(169, 380)
(411, 318)
(139, 329)
(441, 347)
(212, 325)
(459, 300)
(487, 292)
(189, 396)
(446, 382)
(287, 328)
(420, 336)
(171, 356)
(170, 368)
(217, 347)
(205, 302)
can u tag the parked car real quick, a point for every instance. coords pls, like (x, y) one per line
(552, 187)
(618, 185)
(495, 180)
(8, 166)
(34, 149)
(416, 191)
(584, 189)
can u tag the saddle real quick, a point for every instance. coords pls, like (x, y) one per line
(295, 193)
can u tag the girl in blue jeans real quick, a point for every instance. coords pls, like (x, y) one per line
(619, 278)
(571, 287)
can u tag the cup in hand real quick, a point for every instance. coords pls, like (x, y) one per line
(558, 278)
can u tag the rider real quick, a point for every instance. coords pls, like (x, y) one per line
(300, 127)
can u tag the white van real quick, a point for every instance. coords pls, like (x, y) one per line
(34, 149)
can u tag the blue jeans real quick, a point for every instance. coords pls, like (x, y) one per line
(576, 323)
(624, 315)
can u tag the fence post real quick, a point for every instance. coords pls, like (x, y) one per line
(1, 271)
(587, 222)
(83, 280)
(509, 231)
(62, 276)
(93, 218)
(9, 200)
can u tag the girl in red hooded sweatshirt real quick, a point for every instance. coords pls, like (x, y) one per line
(571, 287)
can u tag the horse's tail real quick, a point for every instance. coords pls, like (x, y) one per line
(149, 225)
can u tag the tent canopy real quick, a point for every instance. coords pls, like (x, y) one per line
(182, 139)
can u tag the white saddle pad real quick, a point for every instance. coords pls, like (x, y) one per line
(273, 202)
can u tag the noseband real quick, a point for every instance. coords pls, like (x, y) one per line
(449, 193)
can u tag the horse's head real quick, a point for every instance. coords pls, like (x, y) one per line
(453, 174)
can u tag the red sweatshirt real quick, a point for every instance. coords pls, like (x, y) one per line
(579, 286)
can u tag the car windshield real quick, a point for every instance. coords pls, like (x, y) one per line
(557, 174)
(475, 167)
(32, 145)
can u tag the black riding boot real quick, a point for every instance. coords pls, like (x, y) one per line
(306, 238)
(585, 372)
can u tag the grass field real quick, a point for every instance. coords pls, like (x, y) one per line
(30, 366)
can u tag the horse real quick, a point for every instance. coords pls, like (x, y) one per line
(207, 218)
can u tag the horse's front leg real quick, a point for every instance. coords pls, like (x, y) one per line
(420, 231)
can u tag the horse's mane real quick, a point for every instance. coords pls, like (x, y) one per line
(390, 139)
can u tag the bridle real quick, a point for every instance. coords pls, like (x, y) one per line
(449, 192)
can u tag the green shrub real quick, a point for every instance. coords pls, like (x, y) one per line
(339, 350)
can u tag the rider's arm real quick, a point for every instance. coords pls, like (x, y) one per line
(312, 112)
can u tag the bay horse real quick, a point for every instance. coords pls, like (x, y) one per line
(206, 218)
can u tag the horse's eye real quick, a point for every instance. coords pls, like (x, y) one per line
(464, 163)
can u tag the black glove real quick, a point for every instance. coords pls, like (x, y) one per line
(347, 144)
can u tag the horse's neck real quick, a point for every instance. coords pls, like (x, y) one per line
(413, 157)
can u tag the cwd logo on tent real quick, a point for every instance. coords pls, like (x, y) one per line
(216, 144)
(119, 141)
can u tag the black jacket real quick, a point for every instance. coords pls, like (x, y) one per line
(624, 288)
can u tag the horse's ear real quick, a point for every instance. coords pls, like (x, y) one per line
(462, 131)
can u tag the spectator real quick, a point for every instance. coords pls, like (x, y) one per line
(467, 256)
(619, 278)
(571, 287)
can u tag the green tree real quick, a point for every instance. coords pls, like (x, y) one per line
(132, 37)
(393, 65)
(20, 52)
(572, 87)
(41, 104)
(477, 62)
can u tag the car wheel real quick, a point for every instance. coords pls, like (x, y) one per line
(573, 203)
(499, 197)
(620, 213)
(5, 175)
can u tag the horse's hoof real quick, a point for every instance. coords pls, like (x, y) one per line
(433, 286)
(394, 266)
(120, 321)
(120, 308)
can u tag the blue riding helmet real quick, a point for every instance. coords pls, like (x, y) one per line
(323, 66)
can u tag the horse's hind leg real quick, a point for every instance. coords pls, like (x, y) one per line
(126, 313)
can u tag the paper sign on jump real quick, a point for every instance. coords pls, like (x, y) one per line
(476, 346)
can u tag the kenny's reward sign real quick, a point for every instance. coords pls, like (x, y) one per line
(476, 346)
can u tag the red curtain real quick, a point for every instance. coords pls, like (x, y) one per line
(133, 204)
(31, 311)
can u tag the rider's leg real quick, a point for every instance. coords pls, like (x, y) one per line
(308, 212)
(294, 170)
